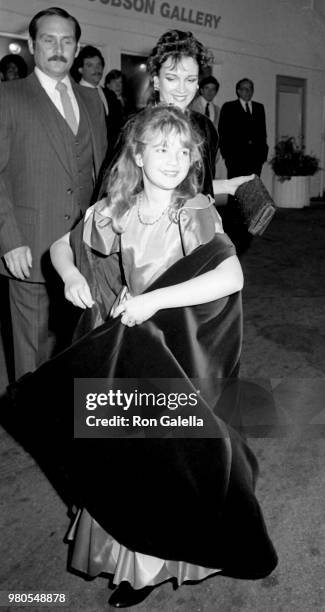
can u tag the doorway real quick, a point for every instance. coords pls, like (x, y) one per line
(290, 108)
(136, 80)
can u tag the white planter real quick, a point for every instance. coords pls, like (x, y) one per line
(294, 193)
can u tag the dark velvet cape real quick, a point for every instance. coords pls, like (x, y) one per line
(175, 497)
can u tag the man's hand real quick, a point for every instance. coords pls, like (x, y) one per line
(19, 261)
(235, 182)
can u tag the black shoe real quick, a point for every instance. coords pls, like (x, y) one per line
(125, 596)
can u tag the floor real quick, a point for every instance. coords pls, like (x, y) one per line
(284, 354)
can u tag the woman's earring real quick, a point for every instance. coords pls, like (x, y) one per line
(156, 83)
(138, 160)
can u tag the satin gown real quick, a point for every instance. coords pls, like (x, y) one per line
(146, 252)
(152, 508)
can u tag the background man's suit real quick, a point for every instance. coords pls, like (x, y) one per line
(199, 105)
(242, 138)
(46, 176)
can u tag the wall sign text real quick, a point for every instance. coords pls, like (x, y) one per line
(166, 10)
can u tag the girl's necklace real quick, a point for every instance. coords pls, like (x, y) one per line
(139, 203)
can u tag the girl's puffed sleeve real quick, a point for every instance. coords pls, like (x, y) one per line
(98, 232)
(199, 222)
(96, 252)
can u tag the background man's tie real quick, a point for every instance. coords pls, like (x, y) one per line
(248, 110)
(207, 110)
(68, 111)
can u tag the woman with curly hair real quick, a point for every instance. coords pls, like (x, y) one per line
(174, 66)
(12, 67)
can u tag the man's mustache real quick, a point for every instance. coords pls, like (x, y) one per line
(57, 58)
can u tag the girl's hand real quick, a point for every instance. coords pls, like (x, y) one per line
(123, 296)
(136, 309)
(235, 182)
(76, 290)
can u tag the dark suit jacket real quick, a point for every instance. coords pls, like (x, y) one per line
(242, 137)
(210, 143)
(36, 174)
(117, 116)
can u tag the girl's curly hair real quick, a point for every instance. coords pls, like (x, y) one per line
(125, 180)
(176, 44)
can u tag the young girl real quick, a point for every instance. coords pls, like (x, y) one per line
(154, 177)
(154, 251)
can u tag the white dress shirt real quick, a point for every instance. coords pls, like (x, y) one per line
(243, 103)
(204, 103)
(49, 85)
(199, 104)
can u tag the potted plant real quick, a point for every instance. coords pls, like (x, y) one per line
(293, 169)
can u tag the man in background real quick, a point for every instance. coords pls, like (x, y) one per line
(243, 146)
(209, 87)
(52, 143)
(117, 104)
(90, 66)
(242, 132)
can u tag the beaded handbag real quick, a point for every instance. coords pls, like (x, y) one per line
(255, 204)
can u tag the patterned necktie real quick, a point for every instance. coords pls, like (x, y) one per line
(207, 110)
(68, 111)
(248, 110)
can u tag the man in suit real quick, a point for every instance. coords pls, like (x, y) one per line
(52, 143)
(119, 109)
(209, 87)
(243, 145)
(242, 132)
(90, 66)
